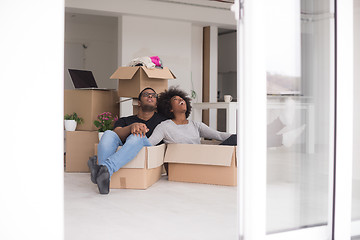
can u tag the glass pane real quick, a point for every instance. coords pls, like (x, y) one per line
(300, 111)
(356, 163)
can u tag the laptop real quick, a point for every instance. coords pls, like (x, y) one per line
(83, 79)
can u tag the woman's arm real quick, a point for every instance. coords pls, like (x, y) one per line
(157, 135)
(210, 133)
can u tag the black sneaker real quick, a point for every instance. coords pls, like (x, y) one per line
(94, 168)
(103, 179)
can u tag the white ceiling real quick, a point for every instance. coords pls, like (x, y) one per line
(199, 12)
(223, 4)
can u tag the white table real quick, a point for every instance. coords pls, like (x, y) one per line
(230, 112)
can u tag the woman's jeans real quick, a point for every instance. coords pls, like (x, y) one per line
(114, 160)
(231, 141)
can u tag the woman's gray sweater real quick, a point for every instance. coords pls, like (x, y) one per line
(186, 133)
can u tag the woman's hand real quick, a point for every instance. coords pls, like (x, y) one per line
(138, 129)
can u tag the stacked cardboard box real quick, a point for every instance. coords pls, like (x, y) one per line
(88, 104)
(79, 146)
(134, 79)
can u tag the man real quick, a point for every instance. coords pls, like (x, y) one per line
(129, 132)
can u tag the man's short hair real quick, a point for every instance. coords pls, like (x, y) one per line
(144, 90)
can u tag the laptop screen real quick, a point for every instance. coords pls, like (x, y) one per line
(82, 78)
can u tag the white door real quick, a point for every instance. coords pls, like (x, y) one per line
(295, 119)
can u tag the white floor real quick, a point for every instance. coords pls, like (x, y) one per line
(166, 210)
(297, 190)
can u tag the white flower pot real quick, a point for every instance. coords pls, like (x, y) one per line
(100, 135)
(70, 125)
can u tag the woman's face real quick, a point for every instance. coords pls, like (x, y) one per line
(178, 104)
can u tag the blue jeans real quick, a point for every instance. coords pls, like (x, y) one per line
(114, 160)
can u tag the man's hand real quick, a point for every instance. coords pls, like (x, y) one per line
(138, 129)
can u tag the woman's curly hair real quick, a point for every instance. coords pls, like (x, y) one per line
(164, 102)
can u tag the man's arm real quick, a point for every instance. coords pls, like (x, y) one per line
(135, 128)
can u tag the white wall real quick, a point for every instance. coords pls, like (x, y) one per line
(356, 164)
(31, 45)
(168, 39)
(197, 61)
(196, 67)
(99, 35)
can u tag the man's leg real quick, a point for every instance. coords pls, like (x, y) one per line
(114, 162)
(108, 145)
(126, 153)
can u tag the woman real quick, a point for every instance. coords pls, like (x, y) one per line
(175, 105)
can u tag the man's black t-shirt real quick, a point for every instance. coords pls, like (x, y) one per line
(151, 123)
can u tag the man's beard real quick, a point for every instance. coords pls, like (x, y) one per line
(147, 108)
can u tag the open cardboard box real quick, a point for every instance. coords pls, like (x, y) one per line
(199, 163)
(134, 79)
(79, 146)
(141, 172)
(88, 104)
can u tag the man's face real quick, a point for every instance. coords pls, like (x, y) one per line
(148, 100)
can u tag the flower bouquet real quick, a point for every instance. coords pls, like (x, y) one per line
(105, 121)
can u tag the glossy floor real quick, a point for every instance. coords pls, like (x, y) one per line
(296, 197)
(166, 210)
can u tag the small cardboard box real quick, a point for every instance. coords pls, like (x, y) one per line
(141, 172)
(88, 104)
(79, 147)
(134, 79)
(198, 163)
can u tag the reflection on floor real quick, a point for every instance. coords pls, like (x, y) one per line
(297, 189)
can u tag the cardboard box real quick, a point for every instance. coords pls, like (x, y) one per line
(88, 104)
(135, 104)
(141, 172)
(134, 79)
(198, 163)
(79, 147)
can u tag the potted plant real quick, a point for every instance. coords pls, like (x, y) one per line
(71, 121)
(105, 121)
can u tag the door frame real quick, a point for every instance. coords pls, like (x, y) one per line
(252, 121)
